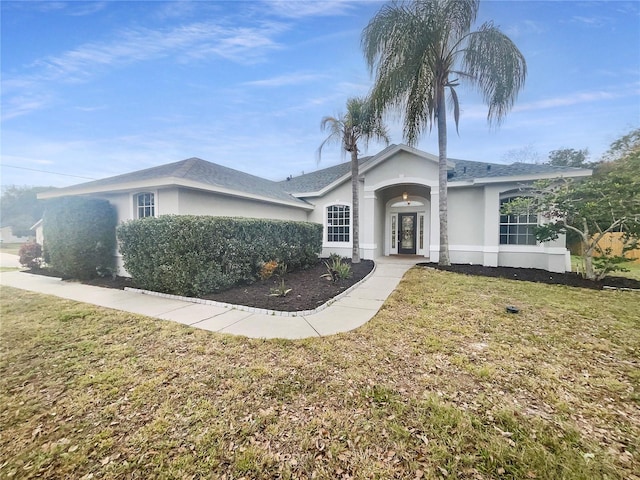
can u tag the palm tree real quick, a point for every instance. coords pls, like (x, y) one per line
(421, 49)
(357, 125)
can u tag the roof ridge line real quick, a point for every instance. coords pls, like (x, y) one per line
(186, 166)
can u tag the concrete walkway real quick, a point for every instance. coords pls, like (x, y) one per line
(9, 260)
(354, 309)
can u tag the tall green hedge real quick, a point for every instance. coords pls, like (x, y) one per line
(80, 238)
(196, 255)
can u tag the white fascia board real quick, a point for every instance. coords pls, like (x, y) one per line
(111, 188)
(36, 225)
(531, 177)
(461, 183)
(393, 149)
(166, 182)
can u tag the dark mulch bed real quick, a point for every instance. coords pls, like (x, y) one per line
(309, 289)
(539, 276)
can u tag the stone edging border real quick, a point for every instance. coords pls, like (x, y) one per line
(263, 311)
(621, 289)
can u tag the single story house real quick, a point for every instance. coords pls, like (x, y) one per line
(398, 204)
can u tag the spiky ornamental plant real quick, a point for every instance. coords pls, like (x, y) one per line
(419, 51)
(358, 125)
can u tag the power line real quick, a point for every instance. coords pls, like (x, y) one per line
(47, 171)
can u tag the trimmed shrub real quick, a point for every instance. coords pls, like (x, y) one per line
(30, 255)
(80, 236)
(196, 255)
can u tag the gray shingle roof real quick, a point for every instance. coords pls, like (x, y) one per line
(201, 171)
(316, 181)
(470, 170)
(465, 170)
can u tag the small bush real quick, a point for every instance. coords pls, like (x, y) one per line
(281, 270)
(281, 290)
(267, 270)
(336, 269)
(30, 255)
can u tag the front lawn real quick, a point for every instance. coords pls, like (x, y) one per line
(12, 248)
(441, 383)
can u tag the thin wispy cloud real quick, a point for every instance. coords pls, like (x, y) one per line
(289, 9)
(72, 8)
(525, 28)
(284, 80)
(203, 41)
(593, 21)
(569, 100)
(80, 9)
(91, 109)
(22, 105)
(181, 8)
(196, 40)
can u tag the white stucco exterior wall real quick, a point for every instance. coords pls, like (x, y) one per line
(194, 202)
(466, 225)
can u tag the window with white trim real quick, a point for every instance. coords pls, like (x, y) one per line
(338, 223)
(517, 228)
(145, 204)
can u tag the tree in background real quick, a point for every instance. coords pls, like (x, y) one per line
(423, 49)
(623, 146)
(569, 157)
(21, 209)
(591, 208)
(359, 124)
(526, 154)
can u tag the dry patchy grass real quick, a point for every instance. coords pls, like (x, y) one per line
(442, 383)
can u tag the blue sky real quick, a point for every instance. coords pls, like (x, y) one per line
(95, 89)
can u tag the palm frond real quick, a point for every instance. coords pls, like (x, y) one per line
(335, 126)
(496, 68)
(415, 48)
(359, 125)
(455, 103)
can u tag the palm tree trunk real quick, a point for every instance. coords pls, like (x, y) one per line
(442, 179)
(355, 207)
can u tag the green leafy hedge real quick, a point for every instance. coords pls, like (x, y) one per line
(196, 255)
(80, 236)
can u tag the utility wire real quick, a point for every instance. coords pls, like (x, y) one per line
(46, 171)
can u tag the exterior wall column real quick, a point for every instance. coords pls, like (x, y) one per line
(368, 245)
(491, 226)
(434, 227)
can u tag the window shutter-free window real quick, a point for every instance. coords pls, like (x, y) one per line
(338, 223)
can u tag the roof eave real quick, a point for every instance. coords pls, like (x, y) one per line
(532, 177)
(168, 182)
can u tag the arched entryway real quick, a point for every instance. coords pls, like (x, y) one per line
(406, 219)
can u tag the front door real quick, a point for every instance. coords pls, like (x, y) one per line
(407, 233)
